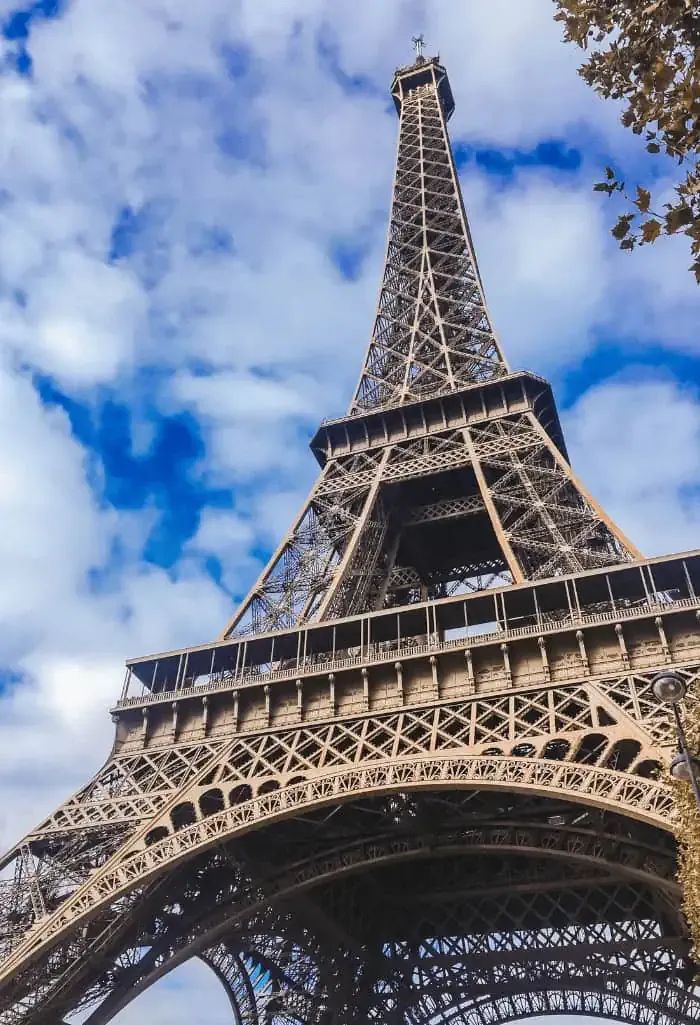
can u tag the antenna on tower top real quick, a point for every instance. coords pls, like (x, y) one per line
(419, 43)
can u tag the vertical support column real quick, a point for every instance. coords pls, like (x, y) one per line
(662, 638)
(471, 686)
(624, 655)
(506, 663)
(545, 660)
(343, 568)
(489, 504)
(434, 671)
(399, 680)
(624, 542)
(582, 652)
(127, 681)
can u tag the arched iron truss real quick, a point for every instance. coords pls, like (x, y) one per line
(627, 996)
(143, 911)
(644, 799)
(632, 1000)
(505, 889)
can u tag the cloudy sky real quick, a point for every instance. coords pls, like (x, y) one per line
(193, 201)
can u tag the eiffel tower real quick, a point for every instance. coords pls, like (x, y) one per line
(421, 777)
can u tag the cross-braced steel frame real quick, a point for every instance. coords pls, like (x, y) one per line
(501, 468)
(421, 777)
(407, 908)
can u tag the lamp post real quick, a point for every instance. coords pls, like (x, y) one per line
(670, 688)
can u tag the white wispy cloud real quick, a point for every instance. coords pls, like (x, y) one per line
(636, 436)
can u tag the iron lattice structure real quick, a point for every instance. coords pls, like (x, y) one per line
(420, 778)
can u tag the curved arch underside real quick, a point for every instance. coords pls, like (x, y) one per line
(627, 996)
(633, 992)
(106, 846)
(424, 907)
(624, 1005)
(184, 837)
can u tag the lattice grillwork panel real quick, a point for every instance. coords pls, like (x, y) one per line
(432, 333)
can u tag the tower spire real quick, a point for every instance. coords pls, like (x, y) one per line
(432, 333)
(439, 430)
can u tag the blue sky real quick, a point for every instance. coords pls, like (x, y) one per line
(193, 203)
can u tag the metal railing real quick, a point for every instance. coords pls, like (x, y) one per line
(253, 676)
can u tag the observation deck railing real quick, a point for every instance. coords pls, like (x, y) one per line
(383, 652)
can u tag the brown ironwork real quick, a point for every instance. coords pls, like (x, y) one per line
(420, 779)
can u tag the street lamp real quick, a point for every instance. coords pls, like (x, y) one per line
(670, 688)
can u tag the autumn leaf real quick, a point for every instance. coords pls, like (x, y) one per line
(650, 230)
(678, 217)
(643, 199)
(623, 226)
(643, 55)
(664, 76)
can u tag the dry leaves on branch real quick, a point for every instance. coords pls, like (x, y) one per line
(648, 56)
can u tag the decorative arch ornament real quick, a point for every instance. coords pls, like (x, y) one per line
(647, 800)
(628, 862)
